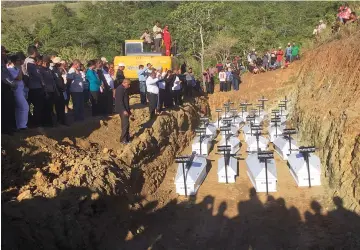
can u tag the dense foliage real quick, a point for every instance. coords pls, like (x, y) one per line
(101, 27)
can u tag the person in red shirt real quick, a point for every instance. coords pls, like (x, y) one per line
(167, 40)
(279, 57)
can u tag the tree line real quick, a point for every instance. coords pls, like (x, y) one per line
(99, 29)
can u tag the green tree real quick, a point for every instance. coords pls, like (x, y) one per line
(220, 47)
(77, 52)
(16, 38)
(194, 26)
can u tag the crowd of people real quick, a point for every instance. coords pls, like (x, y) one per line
(344, 16)
(37, 90)
(229, 74)
(46, 83)
(273, 59)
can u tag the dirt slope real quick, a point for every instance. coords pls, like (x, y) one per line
(327, 112)
(63, 187)
(324, 89)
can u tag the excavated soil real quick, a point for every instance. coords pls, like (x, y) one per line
(78, 188)
(62, 188)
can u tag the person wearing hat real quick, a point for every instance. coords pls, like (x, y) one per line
(104, 60)
(122, 107)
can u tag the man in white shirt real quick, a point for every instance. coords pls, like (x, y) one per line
(321, 26)
(157, 36)
(152, 93)
(76, 81)
(222, 79)
(176, 90)
(162, 93)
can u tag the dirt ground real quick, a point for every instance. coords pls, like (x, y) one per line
(234, 216)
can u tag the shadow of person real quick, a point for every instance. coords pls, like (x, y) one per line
(318, 234)
(204, 225)
(279, 228)
(219, 229)
(344, 226)
(244, 228)
(77, 218)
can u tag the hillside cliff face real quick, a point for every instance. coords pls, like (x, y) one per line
(326, 110)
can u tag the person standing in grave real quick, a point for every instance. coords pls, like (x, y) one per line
(122, 107)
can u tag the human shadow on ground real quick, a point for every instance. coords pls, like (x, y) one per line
(74, 219)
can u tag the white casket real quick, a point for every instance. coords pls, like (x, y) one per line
(243, 115)
(231, 170)
(237, 121)
(211, 130)
(258, 120)
(194, 176)
(299, 171)
(272, 132)
(205, 145)
(234, 143)
(247, 131)
(283, 119)
(263, 114)
(252, 144)
(217, 123)
(257, 173)
(227, 115)
(284, 113)
(234, 130)
(281, 146)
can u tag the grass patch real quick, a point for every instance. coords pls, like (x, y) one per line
(28, 15)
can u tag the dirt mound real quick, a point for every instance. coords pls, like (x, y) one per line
(62, 187)
(326, 112)
(71, 177)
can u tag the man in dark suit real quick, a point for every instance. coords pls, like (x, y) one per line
(122, 107)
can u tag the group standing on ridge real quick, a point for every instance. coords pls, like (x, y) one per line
(159, 41)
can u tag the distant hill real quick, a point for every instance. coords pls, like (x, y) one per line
(14, 4)
(28, 14)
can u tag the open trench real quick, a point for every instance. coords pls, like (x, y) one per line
(233, 216)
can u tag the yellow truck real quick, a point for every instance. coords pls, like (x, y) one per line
(134, 56)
